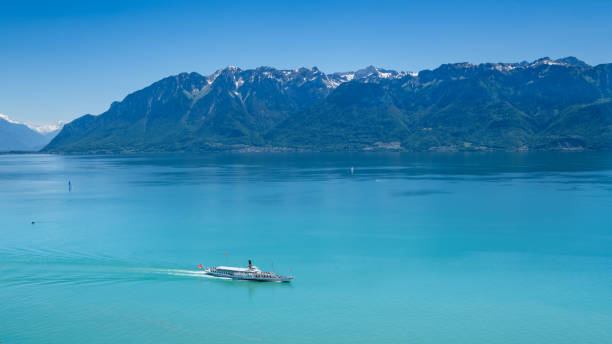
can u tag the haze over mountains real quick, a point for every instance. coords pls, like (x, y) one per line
(16, 136)
(543, 105)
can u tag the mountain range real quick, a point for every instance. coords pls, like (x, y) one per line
(562, 104)
(16, 136)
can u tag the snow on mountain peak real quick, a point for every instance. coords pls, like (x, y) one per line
(46, 128)
(8, 119)
(40, 128)
(547, 61)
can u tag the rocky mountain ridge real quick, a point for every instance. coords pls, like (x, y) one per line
(544, 104)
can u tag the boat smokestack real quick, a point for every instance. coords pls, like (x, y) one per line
(250, 265)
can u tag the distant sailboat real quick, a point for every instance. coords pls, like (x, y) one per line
(352, 170)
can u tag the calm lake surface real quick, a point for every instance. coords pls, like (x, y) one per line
(411, 248)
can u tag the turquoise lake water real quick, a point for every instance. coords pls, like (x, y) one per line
(411, 248)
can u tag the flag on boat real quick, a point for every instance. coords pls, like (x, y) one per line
(200, 266)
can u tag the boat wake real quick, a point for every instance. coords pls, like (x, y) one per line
(187, 273)
(19, 274)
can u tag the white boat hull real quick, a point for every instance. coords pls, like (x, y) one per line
(248, 276)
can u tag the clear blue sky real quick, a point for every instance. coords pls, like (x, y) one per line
(63, 59)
